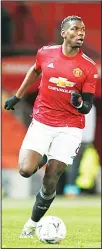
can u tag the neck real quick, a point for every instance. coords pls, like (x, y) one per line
(67, 50)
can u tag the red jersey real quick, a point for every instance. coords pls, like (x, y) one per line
(61, 75)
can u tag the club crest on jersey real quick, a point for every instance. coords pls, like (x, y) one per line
(62, 82)
(77, 72)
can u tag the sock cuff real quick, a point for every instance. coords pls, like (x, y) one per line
(47, 197)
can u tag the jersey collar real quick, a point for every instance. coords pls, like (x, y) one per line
(69, 57)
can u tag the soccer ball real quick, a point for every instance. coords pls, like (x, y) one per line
(51, 229)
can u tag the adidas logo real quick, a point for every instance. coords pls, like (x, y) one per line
(51, 65)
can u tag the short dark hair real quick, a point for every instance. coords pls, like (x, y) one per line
(68, 19)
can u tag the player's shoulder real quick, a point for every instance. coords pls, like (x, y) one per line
(88, 61)
(51, 47)
(47, 49)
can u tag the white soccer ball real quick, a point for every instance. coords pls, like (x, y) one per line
(51, 229)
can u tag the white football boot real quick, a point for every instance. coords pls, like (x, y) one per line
(28, 229)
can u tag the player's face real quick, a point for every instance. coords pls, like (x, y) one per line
(74, 34)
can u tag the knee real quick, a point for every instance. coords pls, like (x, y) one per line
(25, 172)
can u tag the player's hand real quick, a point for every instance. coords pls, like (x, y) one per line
(76, 99)
(9, 104)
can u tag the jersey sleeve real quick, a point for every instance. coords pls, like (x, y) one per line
(91, 81)
(38, 60)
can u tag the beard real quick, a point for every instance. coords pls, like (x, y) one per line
(76, 46)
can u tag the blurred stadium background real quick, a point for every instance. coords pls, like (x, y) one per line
(25, 27)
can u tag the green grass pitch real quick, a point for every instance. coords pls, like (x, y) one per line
(81, 215)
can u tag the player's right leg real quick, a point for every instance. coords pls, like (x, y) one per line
(34, 146)
(33, 149)
(28, 162)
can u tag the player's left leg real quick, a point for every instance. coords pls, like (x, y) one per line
(63, 149)
(47, 192)
(45, 196)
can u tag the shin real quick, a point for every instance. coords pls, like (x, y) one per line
(47, 192)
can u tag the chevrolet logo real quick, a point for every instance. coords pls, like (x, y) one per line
(62, 82)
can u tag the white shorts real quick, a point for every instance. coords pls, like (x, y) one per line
(60, 143)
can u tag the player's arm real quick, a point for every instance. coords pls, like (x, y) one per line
(83, 102)
(31, 76)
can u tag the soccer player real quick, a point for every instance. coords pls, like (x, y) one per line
(66, 93)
